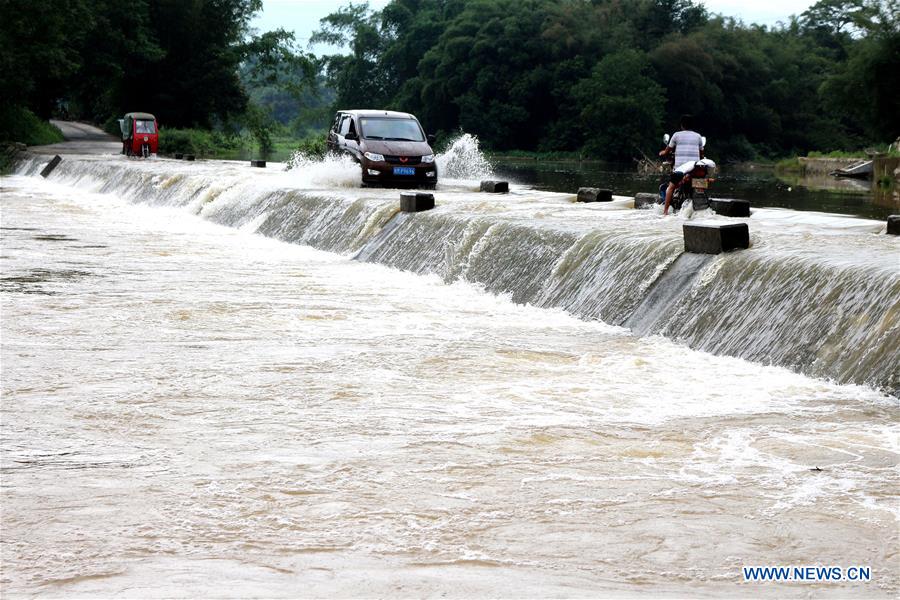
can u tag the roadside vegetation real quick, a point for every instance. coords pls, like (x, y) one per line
(312, 146)
(18, 124)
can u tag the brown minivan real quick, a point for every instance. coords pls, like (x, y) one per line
(391, 147)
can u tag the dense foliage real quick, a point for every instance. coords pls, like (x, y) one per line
(179, 59)
(610, 76)
(599, 77)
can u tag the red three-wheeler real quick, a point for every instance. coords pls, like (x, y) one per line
(140, 134)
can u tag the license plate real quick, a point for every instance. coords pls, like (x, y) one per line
(404, 171)
(700, 184)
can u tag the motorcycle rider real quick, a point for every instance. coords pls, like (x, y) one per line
(688, 147)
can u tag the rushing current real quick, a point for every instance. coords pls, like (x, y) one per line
(225, 381)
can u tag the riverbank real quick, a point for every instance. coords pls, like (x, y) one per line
(20, 125)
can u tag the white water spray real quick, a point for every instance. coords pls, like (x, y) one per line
(330, 171)
(464, 160)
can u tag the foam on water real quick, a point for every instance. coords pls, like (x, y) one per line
(202, 411)
(543, 249)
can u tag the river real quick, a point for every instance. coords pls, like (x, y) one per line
(218, 384)
(761, 185)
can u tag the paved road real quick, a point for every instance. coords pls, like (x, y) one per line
(81, 138)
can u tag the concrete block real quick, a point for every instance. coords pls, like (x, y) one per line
(51, 165)
(179, 155)
(731, 208)
(714, 238)
(258, 163)
(20, 147)
(587, 194)
(416, 201)
(644, 200)
(893, 225)
(495, 187)
(188, 157)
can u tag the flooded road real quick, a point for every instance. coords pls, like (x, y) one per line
(195, 410)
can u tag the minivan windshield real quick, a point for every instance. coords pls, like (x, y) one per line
(398, 130)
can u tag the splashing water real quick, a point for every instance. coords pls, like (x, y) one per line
(463, 160)
(329, 171)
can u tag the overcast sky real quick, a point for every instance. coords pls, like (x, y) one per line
(302, 16)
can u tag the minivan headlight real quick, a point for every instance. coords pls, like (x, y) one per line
(374, 157)
(428, 158)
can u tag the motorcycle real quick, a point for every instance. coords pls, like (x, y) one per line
(694, 186)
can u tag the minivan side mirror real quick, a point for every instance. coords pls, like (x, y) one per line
(431, 138)
(351, 135)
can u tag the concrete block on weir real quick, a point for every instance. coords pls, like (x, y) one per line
(645, 200)
(416, 201)
(258, 163)
(51, 165)
(179, 155)
(587, 194)
(893, 225)
(188, 157)
(495, 187)
(715, 238)
(731, 208)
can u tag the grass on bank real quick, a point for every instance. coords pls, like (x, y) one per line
(19, 124)
(789, 165)
(792, 164)
(198, 142)
(862, 155)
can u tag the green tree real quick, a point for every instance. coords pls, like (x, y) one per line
(359, 77)
(40, 49)
(488, 73)
(622, 105)
(119, 39)
(870, 72)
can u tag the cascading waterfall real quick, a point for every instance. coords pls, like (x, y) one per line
(822, 304)
(667, 292)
